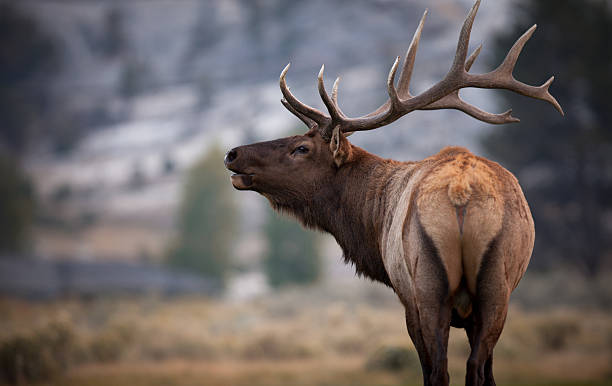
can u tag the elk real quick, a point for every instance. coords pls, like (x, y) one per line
(451, 235)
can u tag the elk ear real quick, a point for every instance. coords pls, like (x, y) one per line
(340, 147)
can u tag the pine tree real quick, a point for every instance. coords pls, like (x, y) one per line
(16, 208)
(292, 256)
(206, 223)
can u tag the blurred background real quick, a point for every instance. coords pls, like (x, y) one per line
(126, 257)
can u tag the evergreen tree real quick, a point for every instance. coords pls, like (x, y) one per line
(16, 208)
(563, 163)
(29, 57)
(292, 255)
(206, 222)
(115, 37)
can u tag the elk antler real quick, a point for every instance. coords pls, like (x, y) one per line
(442, 95)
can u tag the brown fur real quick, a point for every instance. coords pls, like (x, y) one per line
(452, 234)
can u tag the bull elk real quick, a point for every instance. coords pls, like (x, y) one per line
(451, 235)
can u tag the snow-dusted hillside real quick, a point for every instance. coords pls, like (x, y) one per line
(212, 71)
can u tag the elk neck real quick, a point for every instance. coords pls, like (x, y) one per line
(353, 209)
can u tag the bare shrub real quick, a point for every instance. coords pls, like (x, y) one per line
(110, 343)
(394, 359)
(271, 346)
(106, 347)
(177, 348)
(555, 333)
(42, 355)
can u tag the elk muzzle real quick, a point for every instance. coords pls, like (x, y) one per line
(240, 179)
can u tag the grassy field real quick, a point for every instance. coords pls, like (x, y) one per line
(319, 373)
(294, 338)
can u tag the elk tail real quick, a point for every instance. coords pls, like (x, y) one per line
(459, 193)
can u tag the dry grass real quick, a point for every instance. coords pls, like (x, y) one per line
(296, 338)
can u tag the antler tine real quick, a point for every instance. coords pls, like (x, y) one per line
(454, 101)
(472, 58)
(335, 100)
(305, 111)
(393, 98)
(509, 62)
(335, 97)
(331, 106)
(307, 121)
(403, 87)
(547, 96)
(335, 91)
(464, 40)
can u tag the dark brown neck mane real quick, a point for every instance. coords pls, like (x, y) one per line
(350, 207)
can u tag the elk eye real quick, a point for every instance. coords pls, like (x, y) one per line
(300, 150)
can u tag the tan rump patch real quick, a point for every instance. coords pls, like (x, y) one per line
(460, 207)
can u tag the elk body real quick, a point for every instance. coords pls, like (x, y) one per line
(452, 234)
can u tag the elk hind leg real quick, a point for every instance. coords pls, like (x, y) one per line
(414, 330)
(490, 306)
(429, 319)
(428, 325)
(488, 366)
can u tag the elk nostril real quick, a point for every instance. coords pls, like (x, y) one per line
(230, 156)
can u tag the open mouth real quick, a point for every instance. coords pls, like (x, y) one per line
(242, 181)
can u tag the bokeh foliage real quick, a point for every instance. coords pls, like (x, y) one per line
(292, 256)
(207, 220)
(17, 207)
(29, 56)
(563, 163)
(39, 356)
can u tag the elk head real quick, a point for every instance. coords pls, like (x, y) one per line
(293, 171)
(288, 170)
